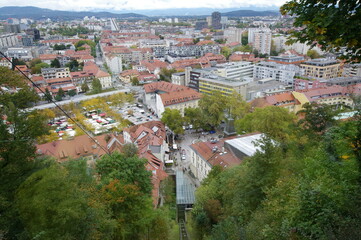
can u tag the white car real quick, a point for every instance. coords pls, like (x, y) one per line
(183, 157)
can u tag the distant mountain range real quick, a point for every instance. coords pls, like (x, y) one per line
(41, 13)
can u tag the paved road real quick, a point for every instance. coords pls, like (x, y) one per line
(78, 99)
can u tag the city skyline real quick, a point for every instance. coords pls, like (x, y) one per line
(125, 5)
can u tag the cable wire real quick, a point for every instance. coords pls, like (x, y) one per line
(52, 101)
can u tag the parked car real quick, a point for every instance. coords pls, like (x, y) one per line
(183, 157)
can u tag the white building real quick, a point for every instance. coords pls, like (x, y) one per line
(161, 95)
(233, 34)
(114, 63)
(225, 153)
(276, 71)
(8, 40)
(235, 70)
(104, 78)
(50, 73)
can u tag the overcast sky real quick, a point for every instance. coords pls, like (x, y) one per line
(78, 5)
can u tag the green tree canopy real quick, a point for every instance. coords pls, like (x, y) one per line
(55, 63)
(173, 119)
(320, 24)
(275, 121)
(56, 202)
(96, 86)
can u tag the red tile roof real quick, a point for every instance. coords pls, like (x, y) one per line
(162, 86)
(78, 147)
(180, 96)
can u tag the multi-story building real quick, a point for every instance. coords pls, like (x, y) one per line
(114, 63)
(226, 153)
(20, 53)
(235, 70)
(179, 78)
(186, 51)
(294, 101)
(161, 95)
(321, 68)
(49, 73)
(264, 87)
(216, 20)
(8, 40)
(262, 42)
(352, 70)
(226, 86)
(276, 71)
(233, 34)
(287, 59)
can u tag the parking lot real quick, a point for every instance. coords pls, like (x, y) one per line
(137, 114)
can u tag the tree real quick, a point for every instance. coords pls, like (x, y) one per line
(37, 68)
(255, 52)
(55, 63)
(226, 52)
(173, 119)
(71, 92)
(23, 98)
(48, 96)
(126, 188)
(135, 81)
(59, 96)
(275, 121)
(245, 38)
(313, 54)
(196, 40)
(320, 24)
(317, 117)
(96, 86)
(73, 65)
(166, 74)
(84, 87)
(237, 106)
(213, 107)
(129, 150)
(61, 202)
(16, 62)
(193, 116)
(17, 153)
(244, 48)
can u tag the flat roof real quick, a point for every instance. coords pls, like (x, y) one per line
(246, 144)
(185, 189)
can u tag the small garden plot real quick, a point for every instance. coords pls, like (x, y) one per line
(99, 122)
(62, 127)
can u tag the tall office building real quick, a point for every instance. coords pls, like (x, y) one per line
(216, 20)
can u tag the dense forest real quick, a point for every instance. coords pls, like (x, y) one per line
(305, 183)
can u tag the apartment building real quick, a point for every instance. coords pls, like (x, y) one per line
(352, 70)
(114, 63)
(276, 71)
(293, 101)
(321, 68)
(8, 40)
(49, 73)
(233, 34)
(262, 42)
